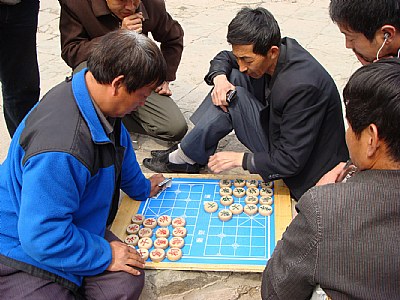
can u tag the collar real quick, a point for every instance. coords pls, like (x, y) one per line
(87, 109)
(281, 62)
(107, 122)
(100, 8)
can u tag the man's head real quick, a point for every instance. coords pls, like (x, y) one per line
(255, 38)
(372, 99)
(123, 8)
(130, 65)
(371, 27)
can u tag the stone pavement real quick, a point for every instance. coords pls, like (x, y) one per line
(205, 25)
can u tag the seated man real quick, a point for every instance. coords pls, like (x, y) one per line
(372, 31)
(59, 186)
(346, 235)
(83, 23)
(287, 110)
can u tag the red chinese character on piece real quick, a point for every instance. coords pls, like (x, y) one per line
(144, 242)
(179, 230)
(150, 221)
(163, 218)
(157, 253)
(175, 241)
(178, 221)
(174, 252)
(163, 231)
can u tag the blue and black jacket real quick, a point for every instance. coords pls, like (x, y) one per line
(59, 186)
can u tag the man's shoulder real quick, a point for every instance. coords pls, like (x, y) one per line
(56, 124)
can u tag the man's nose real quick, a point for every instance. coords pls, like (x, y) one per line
(132, 4)
(242, 68)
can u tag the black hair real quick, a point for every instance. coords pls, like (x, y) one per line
(372, 96)
(365, 16)
(127, 53)
(256, 27)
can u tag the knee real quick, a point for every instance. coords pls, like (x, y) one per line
(132, 285)
(174, 131)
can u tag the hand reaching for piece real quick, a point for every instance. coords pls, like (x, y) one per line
(155, 180)
(224, 161)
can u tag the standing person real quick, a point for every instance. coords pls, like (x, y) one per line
(60, 183)
(286, 111)
(19, 71)
(372, 31)
(83, 23)
(346, 236)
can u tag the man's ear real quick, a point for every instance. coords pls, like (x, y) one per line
(273, 52)
(373, 139)
(388, 33)
(116, 84)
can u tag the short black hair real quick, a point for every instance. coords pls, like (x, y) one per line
(365, 16)
(372, 96)
(256, 27)
(125, 52)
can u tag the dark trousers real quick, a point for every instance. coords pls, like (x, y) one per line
(16, 284)
(212, 123)
(19, 72)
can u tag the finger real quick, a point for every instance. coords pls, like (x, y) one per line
(130, 270)
(224, 108)
(135, 263)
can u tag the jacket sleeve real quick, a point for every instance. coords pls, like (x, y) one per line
(133, 181)
(169, 33)
(53, 185)
(75, 41)
(289, 273)
(222, 63)
(302, 114)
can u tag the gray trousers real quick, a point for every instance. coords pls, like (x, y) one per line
(16, 284)
(160, 117)
(212, 123)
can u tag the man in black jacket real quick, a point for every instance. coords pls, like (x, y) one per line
(286, 110)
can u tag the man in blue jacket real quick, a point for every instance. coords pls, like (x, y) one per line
(59, 186)
(286, 111)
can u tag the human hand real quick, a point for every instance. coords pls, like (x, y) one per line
(224, 161)
(164, 89)
(218, 94)
(124, 258)
(155, 180)
(133, 22)
(332, 176)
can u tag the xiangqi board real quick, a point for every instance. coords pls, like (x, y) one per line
(243, 243)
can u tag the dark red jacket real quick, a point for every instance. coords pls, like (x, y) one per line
(83, 22)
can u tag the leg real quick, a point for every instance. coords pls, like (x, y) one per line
(113, 285)
(15, 284)
(19, 73)
(160, 117)
(212, 124)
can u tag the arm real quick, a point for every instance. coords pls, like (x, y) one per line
(301, 117)
(76, 41)
(133, 181)
(289, 273)
(53, 185)
(168, 33)
(222, 63)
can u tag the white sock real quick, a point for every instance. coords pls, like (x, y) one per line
(178, 157)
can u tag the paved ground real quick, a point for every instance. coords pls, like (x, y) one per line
(205, 24)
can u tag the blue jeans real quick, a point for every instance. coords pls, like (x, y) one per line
(19, 72)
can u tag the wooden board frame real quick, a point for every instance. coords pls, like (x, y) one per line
(283, 217)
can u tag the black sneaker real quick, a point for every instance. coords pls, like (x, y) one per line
(162, 165)
(158, 153)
